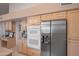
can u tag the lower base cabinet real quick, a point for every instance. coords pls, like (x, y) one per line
(26, 50)
(19, 49)
(33, 52)
(73, 48)
(24, 47)
(8, 42)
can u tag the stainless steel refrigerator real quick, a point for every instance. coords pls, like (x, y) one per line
(54, 38)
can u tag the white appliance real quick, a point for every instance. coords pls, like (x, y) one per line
(33, 36)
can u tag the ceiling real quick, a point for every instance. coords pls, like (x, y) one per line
(9, 7)
(4, 8)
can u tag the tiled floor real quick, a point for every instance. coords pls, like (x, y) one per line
(17, 54)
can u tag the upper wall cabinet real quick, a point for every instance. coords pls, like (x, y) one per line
(13, 26)
(73, 24)
(59, 15)
(8, 26)
(33, 20)
(23, 25)
(46, 17)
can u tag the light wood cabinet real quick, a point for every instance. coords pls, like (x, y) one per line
(13, 27)
(33, 52)
(20, 46)
(54, 16)
(8, 42)
(33, 20)
(23, 25)
(59, 15)
(73, 48)
(46, 17)
(73, 33)
(24, 47)
(8, 26)
(73, 24)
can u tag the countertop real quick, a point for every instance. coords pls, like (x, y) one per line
(5, 38)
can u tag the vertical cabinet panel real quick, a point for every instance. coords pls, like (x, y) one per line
(33, 20)
(46, 17)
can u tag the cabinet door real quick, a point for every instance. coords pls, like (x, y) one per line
(73, 48)
(46, 17)
(23, 25)
(73, 32)
(60, 15)
(24, 47)
(29, 51)
(20, 45)
(36, 53)
(13, 26)
(6, 26)
(73, 24)
(10, 26)
(33, 20)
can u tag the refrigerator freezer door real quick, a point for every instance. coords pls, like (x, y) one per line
(45, 38)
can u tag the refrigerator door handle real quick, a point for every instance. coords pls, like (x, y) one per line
(42, 39)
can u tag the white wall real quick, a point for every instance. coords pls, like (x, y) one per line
(18, 37)
(2, 29)
(17, 32)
